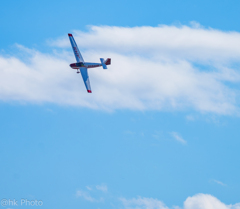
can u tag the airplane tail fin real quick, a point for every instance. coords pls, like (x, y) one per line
(108, 61)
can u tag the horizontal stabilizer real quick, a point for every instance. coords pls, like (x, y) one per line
(103, 63)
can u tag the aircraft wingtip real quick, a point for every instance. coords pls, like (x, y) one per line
(69, 34)
(89, 91)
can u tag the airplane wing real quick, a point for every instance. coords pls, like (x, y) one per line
(85, 77)
(76, 51)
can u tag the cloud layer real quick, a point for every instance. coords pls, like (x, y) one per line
(153, 68)
(199, 201)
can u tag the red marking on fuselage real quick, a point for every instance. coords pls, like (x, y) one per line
(92, 66)
(89, 91)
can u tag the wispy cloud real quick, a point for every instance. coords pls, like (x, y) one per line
(89, 188)
(102, 188)
(153, 68)
(177, 137)
(190, 117)
(85, 195)
(218, 182)
(93, 193)
(143, 203)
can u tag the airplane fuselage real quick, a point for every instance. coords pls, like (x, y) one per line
(85, 64)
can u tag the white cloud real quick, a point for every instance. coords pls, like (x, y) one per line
(164, 41)
(176, 207)
(219, 182)
(89, 188)
(93, 193)
(199, 201)
(178, 138)
(102, 188)
(190, 117)
(85, 195)
(206, 201)
(143, 203)
(153, 68)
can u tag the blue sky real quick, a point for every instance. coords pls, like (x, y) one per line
(160, 129)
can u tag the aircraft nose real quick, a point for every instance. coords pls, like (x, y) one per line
(73, 65)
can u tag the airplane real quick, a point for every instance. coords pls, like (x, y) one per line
(82, 66)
